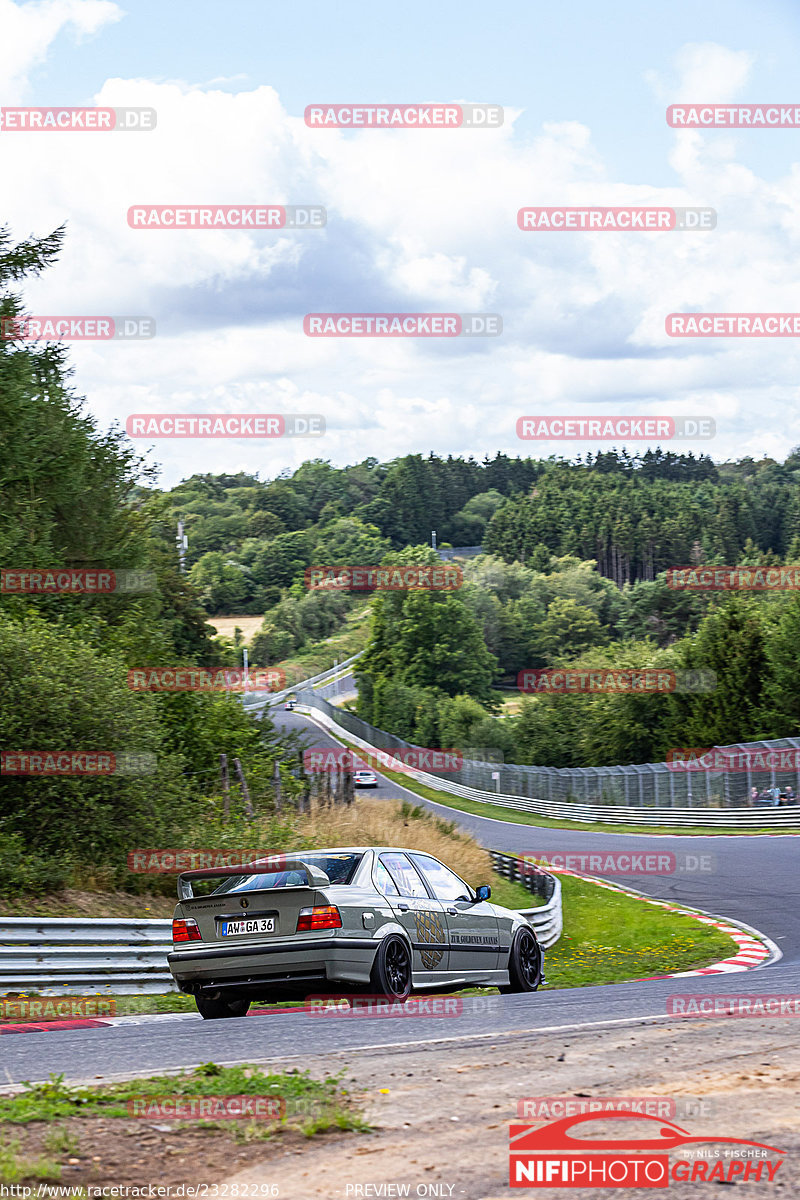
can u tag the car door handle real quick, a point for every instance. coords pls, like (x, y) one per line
(403, 907)
(453, 911)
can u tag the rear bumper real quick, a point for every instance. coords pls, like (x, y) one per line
(346, 960)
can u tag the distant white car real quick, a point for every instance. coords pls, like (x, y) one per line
(365, 779)
(289, 706)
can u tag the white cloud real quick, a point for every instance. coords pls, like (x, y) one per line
(705, 73)
(418, 221)
(29, 30)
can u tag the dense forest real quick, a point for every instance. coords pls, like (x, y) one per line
(633, 516)
(637, 517)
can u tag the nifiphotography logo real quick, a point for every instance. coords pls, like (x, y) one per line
(553, 1156)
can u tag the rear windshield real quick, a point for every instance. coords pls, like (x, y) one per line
(340, 868)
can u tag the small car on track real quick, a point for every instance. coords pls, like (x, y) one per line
(364, 778)
(368, 918)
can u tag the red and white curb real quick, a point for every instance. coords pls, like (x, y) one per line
(55, 1026)
(755, 949)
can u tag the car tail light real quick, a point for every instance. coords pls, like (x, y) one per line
(185, 931)
(321, 916)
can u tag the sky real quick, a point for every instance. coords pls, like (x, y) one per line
(417, 220)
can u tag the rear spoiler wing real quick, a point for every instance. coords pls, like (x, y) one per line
(315, 877)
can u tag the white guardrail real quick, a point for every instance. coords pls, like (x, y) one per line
(82, 956)
(259, 700)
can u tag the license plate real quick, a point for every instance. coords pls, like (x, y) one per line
(254, 925)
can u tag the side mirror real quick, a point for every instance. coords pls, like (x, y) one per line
(483, 892)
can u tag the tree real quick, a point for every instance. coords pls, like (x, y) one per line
(439, 645)
(782, 686)
(223, 585)
(282, 560)
(64, 484)
(567, 629)
(349, 541)
(469, 524)
(730, 644)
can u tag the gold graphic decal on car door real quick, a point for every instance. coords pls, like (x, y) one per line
(430, 929)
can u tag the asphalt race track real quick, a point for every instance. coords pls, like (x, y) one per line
(750, 879)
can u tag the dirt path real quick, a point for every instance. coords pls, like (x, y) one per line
(441, 1114)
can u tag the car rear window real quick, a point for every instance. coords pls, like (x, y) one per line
(340, 868)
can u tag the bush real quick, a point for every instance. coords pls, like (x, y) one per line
(61, 695)
(271, 645)
(24, 871)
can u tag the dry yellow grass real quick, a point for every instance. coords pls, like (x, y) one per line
(370, 822)
(226, 625)
(74, 902)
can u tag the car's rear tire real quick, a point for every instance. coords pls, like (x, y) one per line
(525, 963)
(215, 1010)
(391, 971)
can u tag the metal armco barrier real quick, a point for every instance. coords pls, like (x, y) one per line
(547, 919)
(81, 956)
(525, 780)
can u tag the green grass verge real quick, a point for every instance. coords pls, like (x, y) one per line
(172, 1002)
(609, 937)
(311, 1105)
(16, 1166)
